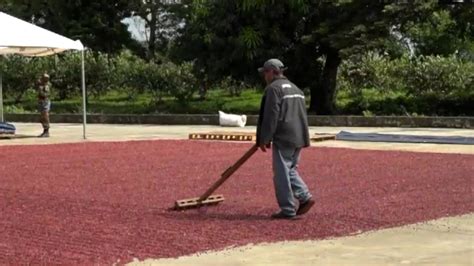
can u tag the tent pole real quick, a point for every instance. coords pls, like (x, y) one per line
(84, 112)
(1, 99)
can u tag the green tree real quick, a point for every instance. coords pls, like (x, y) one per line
(20, 74)
(227, 40)
(162, 20)
(234, 37)
(179, 80)
(442, 30)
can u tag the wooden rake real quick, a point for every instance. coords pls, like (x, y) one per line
(207, 198)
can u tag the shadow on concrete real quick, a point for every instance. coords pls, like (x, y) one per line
(6, 137)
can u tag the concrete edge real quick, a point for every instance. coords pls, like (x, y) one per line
(206, 119)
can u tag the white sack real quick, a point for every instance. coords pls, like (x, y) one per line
(231, 120)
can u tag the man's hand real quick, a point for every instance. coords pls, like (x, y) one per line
(264, 147)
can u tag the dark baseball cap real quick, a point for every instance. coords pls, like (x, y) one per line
(272, 64)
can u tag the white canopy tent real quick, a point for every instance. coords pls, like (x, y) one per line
(23, 38)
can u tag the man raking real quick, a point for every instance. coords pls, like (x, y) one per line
(283, 122)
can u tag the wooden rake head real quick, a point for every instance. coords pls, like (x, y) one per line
(192, 203)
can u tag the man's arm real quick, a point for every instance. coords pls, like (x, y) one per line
(271, 112)
(43, 91)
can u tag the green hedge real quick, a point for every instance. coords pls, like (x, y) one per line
(103, 74)
(367, 84)
(425, 85)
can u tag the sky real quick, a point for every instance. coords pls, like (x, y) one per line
(136, 26)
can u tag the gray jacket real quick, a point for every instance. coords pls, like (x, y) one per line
(283, 119)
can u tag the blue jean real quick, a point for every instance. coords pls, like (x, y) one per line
(288, 183)
(44, 105)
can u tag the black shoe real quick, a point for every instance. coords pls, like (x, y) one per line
(44, 135)
(305, 207)
(281, 215)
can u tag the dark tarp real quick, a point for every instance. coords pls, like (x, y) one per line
(375, 137)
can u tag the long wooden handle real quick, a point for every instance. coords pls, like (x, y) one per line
(227, 173)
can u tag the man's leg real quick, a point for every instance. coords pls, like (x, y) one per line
(300, 189)
(282, 162)
(45, 123)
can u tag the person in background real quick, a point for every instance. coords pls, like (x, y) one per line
(283, 122)
(44, 104)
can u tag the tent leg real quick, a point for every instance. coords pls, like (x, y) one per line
(1, 99)
(83, 81)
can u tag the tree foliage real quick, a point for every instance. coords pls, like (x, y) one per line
(216, 40)
(234, 37)
(315, 37)
(162, 20)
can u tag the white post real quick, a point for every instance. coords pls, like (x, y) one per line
(84, 112)
(1, 99)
